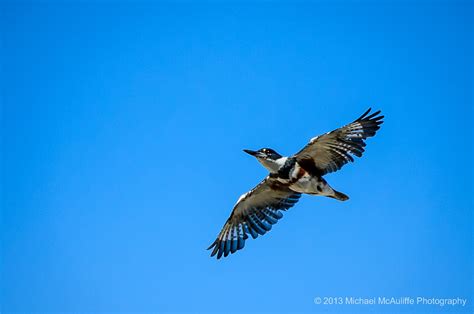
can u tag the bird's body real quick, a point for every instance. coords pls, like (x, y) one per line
(302, 180)
(257, 210)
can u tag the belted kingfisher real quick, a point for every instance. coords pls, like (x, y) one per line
(257, 210)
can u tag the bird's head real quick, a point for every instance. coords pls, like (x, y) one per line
(269, 158)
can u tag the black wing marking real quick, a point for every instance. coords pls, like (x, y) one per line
(254, 214)
(329, 152)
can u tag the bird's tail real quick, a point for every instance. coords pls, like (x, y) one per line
(340, 196)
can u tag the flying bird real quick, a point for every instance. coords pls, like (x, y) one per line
(257, 210)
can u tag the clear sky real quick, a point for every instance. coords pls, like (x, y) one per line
(122, 133)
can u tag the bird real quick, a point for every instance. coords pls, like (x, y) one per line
(289, 177)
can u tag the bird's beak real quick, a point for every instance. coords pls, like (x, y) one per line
(251, 152)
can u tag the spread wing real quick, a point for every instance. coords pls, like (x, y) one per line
(254, 214)
(329, 152)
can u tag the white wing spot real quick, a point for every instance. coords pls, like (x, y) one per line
(242, 197)
(313, 139)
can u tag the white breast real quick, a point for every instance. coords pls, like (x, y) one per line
(295, 172)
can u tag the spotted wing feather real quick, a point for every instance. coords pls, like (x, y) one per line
(329, 152)
(254, 214)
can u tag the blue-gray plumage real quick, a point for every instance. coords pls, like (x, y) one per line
(257, 210)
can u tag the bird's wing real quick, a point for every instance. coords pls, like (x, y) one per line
(329, 152)
(254, 214)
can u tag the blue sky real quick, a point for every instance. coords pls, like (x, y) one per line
(122, 134)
